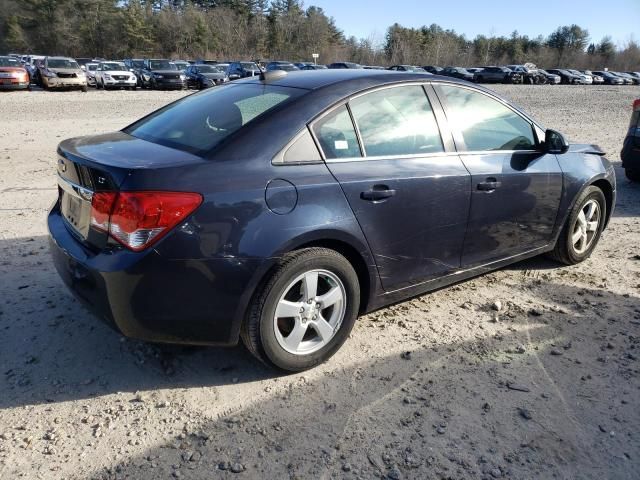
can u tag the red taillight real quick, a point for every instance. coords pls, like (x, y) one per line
(101, 205)
(138, 219)
(636, 105)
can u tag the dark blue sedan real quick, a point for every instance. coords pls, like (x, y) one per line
(278, 208)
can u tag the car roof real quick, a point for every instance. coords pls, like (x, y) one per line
(316, 79)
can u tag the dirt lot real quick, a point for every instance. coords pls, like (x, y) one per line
(442, 386)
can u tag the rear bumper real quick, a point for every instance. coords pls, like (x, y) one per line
(150, 297)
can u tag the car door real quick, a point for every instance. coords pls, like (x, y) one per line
(405, 183)
(516, 188)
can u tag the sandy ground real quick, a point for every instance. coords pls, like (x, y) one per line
(442, 386)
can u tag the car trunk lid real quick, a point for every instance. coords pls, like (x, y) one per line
(90, 166)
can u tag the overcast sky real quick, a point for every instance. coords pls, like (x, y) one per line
(618, 18)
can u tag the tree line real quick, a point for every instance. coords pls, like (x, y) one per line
(276, 29)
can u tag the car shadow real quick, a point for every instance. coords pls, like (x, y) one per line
(46, 334)
(448, 409)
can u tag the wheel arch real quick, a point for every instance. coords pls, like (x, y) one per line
(607, 189)
(355, 251)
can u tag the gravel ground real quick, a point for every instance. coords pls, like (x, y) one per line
(528, 372)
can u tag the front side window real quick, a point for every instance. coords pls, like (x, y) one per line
(396, 121)
(198, 123)
(336, 135)
(485, 123)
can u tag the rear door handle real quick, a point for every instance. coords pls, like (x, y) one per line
(489, 185)
(377, 193)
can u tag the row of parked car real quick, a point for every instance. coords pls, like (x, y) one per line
(61, 72)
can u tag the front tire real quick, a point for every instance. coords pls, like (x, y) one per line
(583, 228)
(304, 311)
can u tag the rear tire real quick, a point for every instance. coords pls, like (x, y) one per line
(267, 330)
(581, 232)
(632, 175)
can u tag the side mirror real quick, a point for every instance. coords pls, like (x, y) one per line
(554, 142)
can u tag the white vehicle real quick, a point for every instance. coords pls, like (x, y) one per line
(114, 75)
(90, 70)
(588, 79)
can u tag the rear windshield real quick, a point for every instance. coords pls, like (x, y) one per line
(199, 122)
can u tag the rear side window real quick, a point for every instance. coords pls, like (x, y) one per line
(396, 121)
(199, 122)
(336, 135)
(485, 123)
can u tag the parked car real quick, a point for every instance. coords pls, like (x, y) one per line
(230, 214)
(313, 66)
(13, 76)
(61, 73)
(529, 73)
(631, 148)
(32, 68)
(551, 78)
(497, 75)
(114, 75)
(301, 65)
(344, 65)
(609, 78)
(372, 67)
(629, 79)
(458, 72)
(243, 70)
(161, 74)
(205, 76)
(474, 70)
(634, 74)
(83, 61)
(285, 66)
(205, 62)
(433, 69)
(90, 71)
(588, 79)
(596, 79)
(181, 65)
(407, 68)
(567, 77)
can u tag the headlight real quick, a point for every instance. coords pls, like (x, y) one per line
(49, 74)
(107, 76)
(183, 77)
(156, 75)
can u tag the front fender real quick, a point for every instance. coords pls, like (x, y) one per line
(581, 170)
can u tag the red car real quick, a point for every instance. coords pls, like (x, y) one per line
(12, 74)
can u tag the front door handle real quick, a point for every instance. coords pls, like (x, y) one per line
(378, 193)
(489, 185)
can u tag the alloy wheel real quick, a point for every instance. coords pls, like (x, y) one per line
(586, 226)
(310, 312)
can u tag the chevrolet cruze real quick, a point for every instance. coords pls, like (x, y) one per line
(278, 208)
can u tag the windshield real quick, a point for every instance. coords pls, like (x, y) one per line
(249, 65)
(198, 123)
(137, 63)
(62, 63)
(181, 65)
(113, 66)
(209, 69)
(162, 65)
(92, 67)
(9, 62)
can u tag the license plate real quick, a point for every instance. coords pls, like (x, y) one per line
(76, 212)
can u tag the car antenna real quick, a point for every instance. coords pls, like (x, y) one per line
(272, 75)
